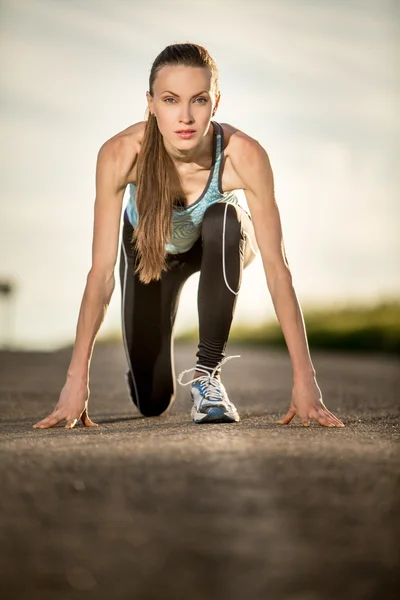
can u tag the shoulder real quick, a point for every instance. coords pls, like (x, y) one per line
(247, 156)
(119, 153)
(238, 143)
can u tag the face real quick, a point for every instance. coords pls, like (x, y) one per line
(183, 99)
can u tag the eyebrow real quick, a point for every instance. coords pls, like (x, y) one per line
(177, 95)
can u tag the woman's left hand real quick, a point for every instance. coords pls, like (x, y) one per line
(307, 404)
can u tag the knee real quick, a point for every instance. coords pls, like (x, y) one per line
(218, 218)
(155, 406)
(151, 399)
(154, 410)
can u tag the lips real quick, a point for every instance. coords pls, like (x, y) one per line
(185, 131)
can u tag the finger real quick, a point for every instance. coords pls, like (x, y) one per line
(50, 421)
(87, 421)
(334, 418)
(326, 414)
(304, 419)
(42, 422)
(71, 423)
(288, 417)
(325, 420)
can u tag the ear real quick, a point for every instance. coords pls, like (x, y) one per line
(216, 103)
(149, 101)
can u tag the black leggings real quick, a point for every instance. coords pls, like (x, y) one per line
(149, 310)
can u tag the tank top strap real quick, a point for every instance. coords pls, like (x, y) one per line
(219, 151)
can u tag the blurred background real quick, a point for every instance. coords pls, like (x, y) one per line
(316, 83)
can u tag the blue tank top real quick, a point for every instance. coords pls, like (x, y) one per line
(186, 227)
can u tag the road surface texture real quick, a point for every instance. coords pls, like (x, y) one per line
(161, 508)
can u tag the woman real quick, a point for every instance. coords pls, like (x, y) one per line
(182, 217)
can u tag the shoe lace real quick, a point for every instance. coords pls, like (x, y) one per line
(210, 388)
(209, 384)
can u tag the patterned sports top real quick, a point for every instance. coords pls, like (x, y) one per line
(187, 220)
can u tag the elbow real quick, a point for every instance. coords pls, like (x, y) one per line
(101, 273)
(276, 278)
(103, 278)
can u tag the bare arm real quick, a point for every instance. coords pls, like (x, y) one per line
(113, 164)
(252, 164)
(110, 187)
(258, 184)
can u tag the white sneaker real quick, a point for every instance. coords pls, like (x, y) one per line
(210, 400)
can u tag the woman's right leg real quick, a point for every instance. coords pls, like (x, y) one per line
(148, 317)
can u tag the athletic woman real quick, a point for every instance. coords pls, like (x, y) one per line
(183, 216)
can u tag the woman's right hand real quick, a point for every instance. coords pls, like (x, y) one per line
(71, 406)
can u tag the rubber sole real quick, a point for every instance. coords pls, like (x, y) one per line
(214, 415)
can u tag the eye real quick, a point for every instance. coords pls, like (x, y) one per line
(204, 100)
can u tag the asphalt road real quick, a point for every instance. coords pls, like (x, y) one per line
(161, 508)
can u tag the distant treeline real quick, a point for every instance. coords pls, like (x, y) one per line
(359, 328)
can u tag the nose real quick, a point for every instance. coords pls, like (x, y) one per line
(186, 116)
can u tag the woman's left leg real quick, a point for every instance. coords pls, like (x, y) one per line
(229, 245)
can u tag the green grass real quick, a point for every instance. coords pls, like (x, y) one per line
(351, 328)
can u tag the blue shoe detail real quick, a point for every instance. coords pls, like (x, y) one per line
(210, 400)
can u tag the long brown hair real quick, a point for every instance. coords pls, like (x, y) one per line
(157, 177)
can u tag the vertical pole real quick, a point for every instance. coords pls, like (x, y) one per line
(7, 320)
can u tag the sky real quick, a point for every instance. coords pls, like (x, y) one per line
(315, 82)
